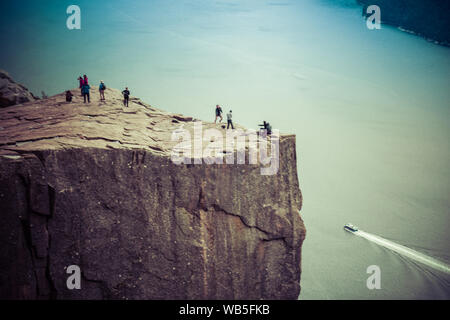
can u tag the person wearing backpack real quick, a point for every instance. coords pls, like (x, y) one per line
(85, 91)
(126, 96)
(101, 89)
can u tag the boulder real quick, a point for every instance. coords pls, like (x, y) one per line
(12, 93)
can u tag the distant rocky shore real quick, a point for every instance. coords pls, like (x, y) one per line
(428, 19)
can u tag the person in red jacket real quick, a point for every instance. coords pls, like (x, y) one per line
(85, 79)
(81, 84)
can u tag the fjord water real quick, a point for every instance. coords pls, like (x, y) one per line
(370, 109)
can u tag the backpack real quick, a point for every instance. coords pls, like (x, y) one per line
(102, 86)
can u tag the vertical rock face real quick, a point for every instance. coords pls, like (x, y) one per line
(12, 93)
(95, 187)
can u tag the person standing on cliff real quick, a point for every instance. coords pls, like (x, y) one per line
(218, 113)
(126, 96)
(85, 79)
(230, 120)
(101, 89)
(81, 84)
(85, 91)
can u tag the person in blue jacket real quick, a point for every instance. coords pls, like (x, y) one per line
(101, 89)
(85, 91)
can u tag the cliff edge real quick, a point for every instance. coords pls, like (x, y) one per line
(93, 185)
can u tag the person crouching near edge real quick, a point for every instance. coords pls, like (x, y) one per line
(230, 120)
(101, 89)
(85, 91)
(126, 96)
(218, 113)
(69, 96)
(81, 84)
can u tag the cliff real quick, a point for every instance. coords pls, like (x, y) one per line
(425, 18)
(93, 185)
(12, 93)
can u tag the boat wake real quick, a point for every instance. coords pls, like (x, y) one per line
(405, 251)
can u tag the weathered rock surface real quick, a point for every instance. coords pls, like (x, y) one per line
(93, 185)
(12, 93)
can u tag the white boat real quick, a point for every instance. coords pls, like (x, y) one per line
(350, 228)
